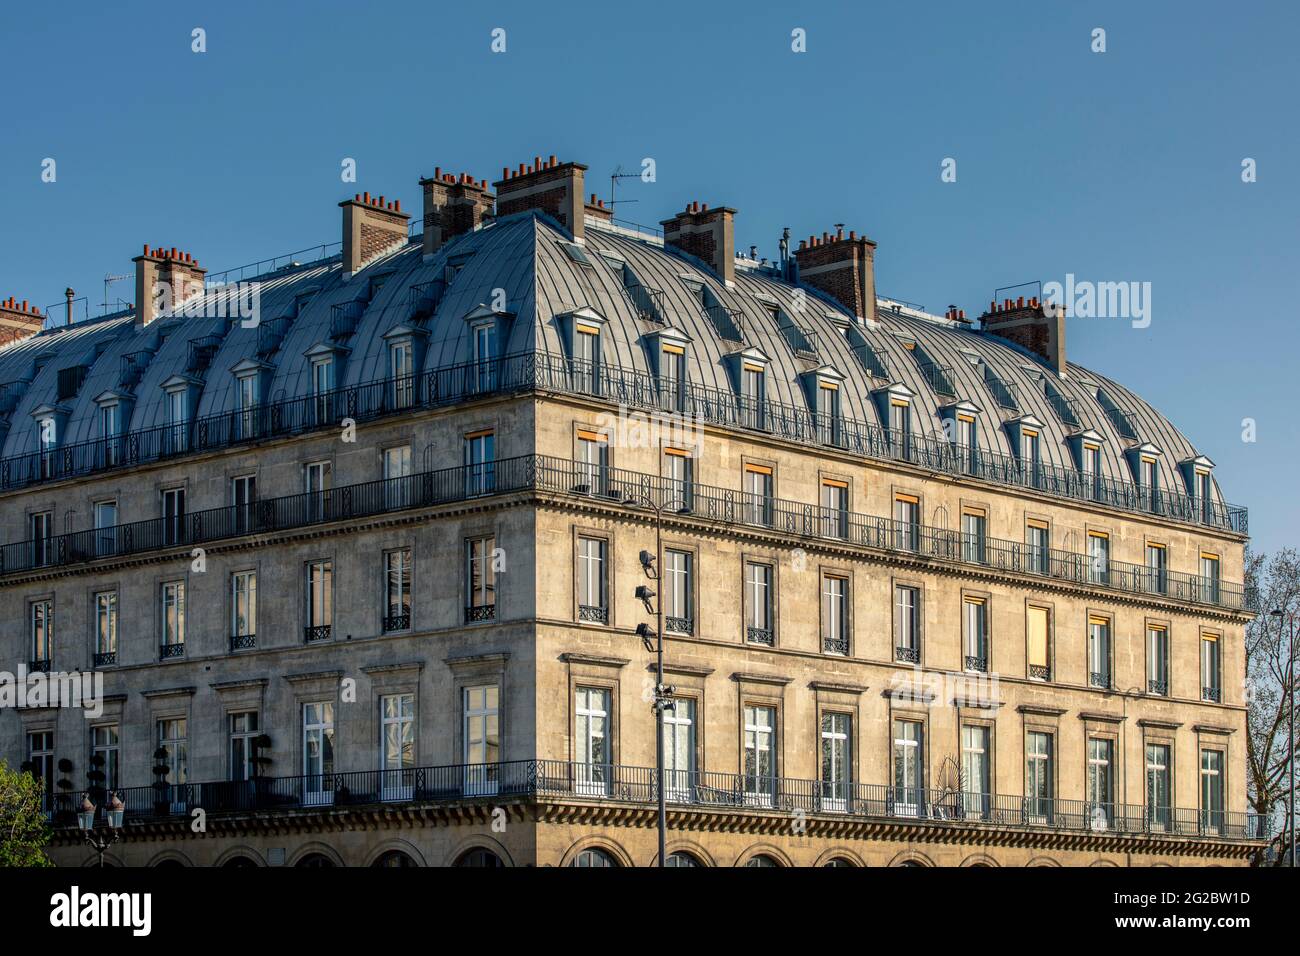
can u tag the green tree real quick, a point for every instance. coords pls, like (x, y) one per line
(24, 830)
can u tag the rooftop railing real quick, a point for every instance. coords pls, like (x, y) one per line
(544, 473)
(701, 790)
(532, 371)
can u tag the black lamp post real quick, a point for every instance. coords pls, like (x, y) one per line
(663, 698)
(100, 839)
(1290, 710)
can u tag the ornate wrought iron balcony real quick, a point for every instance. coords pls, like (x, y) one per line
(907, 655)
(397, 622)
(105, 658)
(243, 642)
(477, 613)
(593, 614)
(316, 633)
(167, 652)
(1039, 672)
(760, 635)
(679, 625)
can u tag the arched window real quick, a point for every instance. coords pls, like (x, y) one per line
(315, 860)
(394, 858)
(238, 861)
(479, 857)
(836, 861)
(594, 857)
(761, 860)
(681, 858)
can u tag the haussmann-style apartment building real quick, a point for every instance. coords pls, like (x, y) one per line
(359, 565)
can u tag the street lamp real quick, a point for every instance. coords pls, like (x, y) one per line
(663, 698)
(106, 836)
(1290, 709)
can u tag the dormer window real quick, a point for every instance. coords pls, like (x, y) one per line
(1144, 461)
(178, 417)
(586, 356)
(483, 340)
(672, 376)
(900, 423)
(828, 412)
(110, 420)
(959, 426)
(1025, 434)
(753, 394)
(402, 371)
(249, 399)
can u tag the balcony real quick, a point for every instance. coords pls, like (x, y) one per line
(647, 301)
(397, 622)
(479, 613)
(699, 791)
(977, 664)
(171, 652)
(1040, 672)
(41, 666)
(316, 633)
(593, 614)
(1212, 694)
(243, 642)
(760, 635)
(105, 658)
(1158, 687)
(1099, 679)
(837, 646)
(679, 625)
(907, 655)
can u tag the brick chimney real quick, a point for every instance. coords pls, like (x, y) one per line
(708, 234)
(18, 321)
(553, 187)
(596, 209)
(844, 267)
(1034, 325)
(164, 280)
(453, 205)
(371, 227)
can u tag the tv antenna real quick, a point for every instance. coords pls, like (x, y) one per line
(109, 279)
(614, 177)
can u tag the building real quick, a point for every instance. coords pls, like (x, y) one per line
(356, 549)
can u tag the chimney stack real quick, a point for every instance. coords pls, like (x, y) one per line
(708, 234)
(18, 321)
(595, 208)
(165, 279)
(1034, 325)
(553, 187)
(453, 205)
(844, 267)
(371, 227)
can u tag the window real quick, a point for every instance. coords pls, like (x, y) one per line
(42, 531)
(320, 600)
(679, 749)
(317, 481)
(679, 470)
(40, 754)
(976, 621)
(1038, 537)
(480, 463)
(105, 528)
(397, 746)
(41, 622)
(1098, 558)
(753, 395)
(1211, 688)
(322, 387)
(975, 771)
(485, 350)
(104, 745)
(173, 515)
(835, 614)
(828, 413)
(243, 495)
(758, 495)
(900, 426)
(401, 368)
(1092, 469)
(172, 741)
(248, 402)
(1209, 583)
(1101, 781)
(594, 858)
(1038, 630)
(105, 628)
(1038, 776)
(974, 536)
(835, 508)
(397, 590)
(907, 624)
(1157, 660)
(586, 358)
(909, 796)
(679, 591)
(178, 416)
(593, 463)
(672, 384)
(760, 755)
(243, 749)
(397, 474)
(173, 620)
(482, 738)
(592, 589)
(907, 523)
(1204, 496)
(758, 604)
(1147, 482)
(1157, 569)
(967, 444)
(243, 610)
(836, 761)
(318, 752)
(1030, 455)
(591, 740)
(1212, 791)
(480, 579)
(1159, 787)
(110, 430)
(1099, 652)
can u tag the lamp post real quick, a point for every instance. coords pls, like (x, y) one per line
(1290, 710)
(663, 699)
(102, 840)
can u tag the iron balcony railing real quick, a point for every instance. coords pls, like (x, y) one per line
(618, 486)
(939, 376)
(701, 789)
(531, 372)
(647, 301)
(729, 323)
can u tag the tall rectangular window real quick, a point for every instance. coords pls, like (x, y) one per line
(1157, 660)
(1211, 687)
(1147, 482)
(481, 734)
(397, 745)
(397, 590)
(835, 614)
(759, 628)
(828, 413)
(42, 527)
(1038, 538)
(900, 427)
(397, 477)
(1209, 583)
(1099, 652)
(243, 610)
(1030, 456)
(967, 444)
(173, 515)
(178, 416)
(485, 353)
(975, 771)
(1098, 558)
(318, 752)
(320, 600)
(974, 536)
(760, 755)
(679, 591)
(592, 586)
(247, 389)
(318, 479)
(105, 750)
(1212, 791)
(1039, 776)
(173, 620)
(480, 463)
(753, 395)
(1038, 627)
(110, 430)
(591, 740)
(586, 358)
(593, 463)
(41, 624)
(1157, 569)
(1205, 496)
(480, 579)
(1101, 781)
(173, 741)
(242, 748)
(679, 470)
(1159, 786)
(105, 628)
(679, 749)
(835, 508)
(907, 523)
(672, 384)
(401, 368)
(909, 773)
(1092, 479)
(907, 624)
(322, 388)
(758, 495)
(836, 761)
(243, 496)
(976, 625)
(40, 754)
(105, 528)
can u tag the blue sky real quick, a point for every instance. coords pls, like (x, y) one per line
(1115, 166)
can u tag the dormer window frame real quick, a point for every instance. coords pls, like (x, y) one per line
(583, 328)
(493, 326)
(405, 357)
(823, 389)
(1026, 434)
(894, 404)
(669, 350)
(179, 402)
(748, 368)
(1198, 477)
(1144, 464)
(961, 419)
(324, 362)
(250, 394)
(49, 420)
